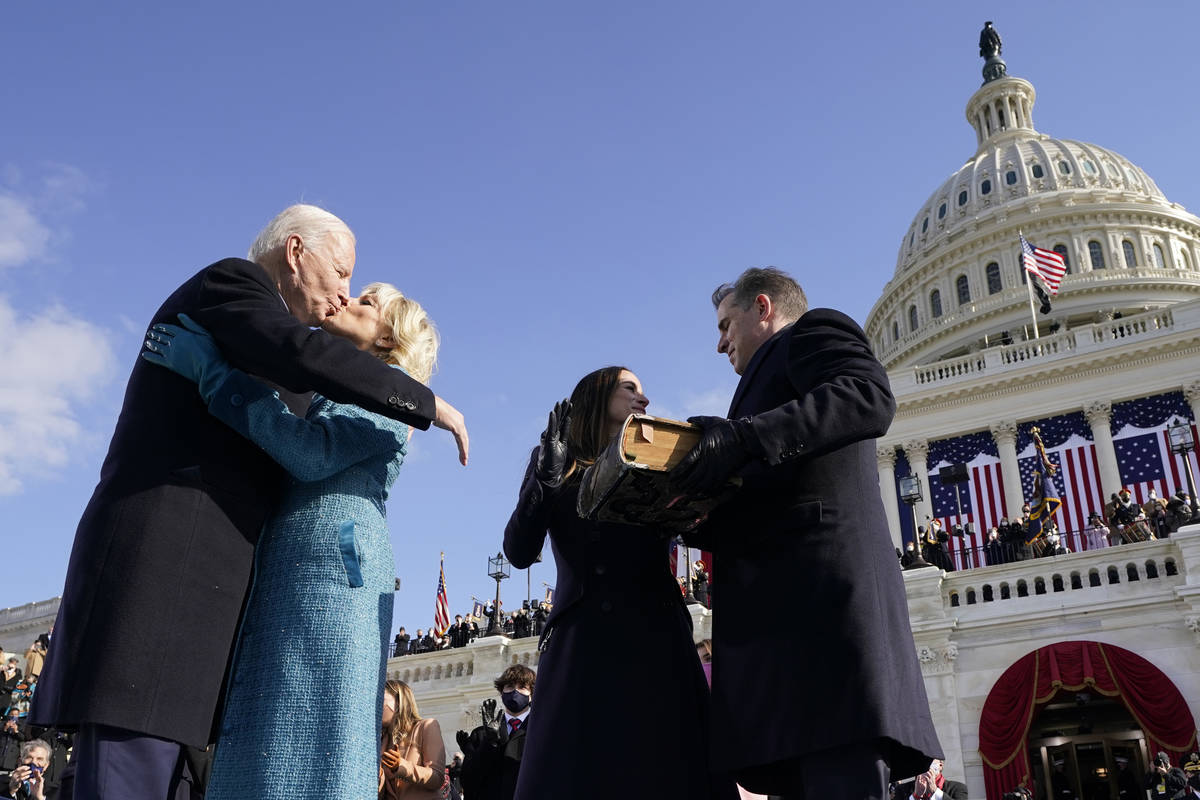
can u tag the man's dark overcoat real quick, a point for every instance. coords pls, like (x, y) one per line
(163, 552)
(807, 532)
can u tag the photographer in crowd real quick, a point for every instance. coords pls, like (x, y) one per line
(932, 785)
(27, 781)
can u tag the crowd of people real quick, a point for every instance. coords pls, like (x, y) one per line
(1122, 521)
(529, 620)
(32, 757)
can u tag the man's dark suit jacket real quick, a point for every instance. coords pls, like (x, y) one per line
(491, 772)
(807, 532)
(162, 556)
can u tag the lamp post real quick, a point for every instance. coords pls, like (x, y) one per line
(1182, 443)
(910, 492)
(498, 570)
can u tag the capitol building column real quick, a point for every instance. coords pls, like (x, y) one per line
(1004, 434)
(1099, 414)
(917, 451)
(885, 457)
(1192, 392)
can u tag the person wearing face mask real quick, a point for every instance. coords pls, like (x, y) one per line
(612, 578)
(492, 752)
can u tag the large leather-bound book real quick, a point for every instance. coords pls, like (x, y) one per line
(630, 481)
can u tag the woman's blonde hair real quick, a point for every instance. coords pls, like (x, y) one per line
(405, 720)
(415, 336)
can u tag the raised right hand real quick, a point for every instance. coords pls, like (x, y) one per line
(551, 466)
(448, 418)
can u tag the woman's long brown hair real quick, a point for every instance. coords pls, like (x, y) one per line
(589, 416)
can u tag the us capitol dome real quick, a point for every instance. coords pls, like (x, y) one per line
(959, 286)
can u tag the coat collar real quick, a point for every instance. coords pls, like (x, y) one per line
(756, 361)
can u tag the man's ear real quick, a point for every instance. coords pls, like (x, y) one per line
(764, 307)
(292, 248)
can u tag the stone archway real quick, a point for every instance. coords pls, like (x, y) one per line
(1036, 679)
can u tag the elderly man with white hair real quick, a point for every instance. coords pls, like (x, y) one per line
(163, 553)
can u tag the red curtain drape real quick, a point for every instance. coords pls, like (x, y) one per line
(1033, 680)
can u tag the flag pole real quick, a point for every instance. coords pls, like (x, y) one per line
(1029, 278)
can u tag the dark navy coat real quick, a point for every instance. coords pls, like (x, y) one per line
(162, 556)
(806, 538)
(621, 705)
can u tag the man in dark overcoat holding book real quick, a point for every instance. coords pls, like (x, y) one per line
(162, 556)
(829, 711)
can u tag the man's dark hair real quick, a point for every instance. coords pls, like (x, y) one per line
(786, 295)
(518, 675)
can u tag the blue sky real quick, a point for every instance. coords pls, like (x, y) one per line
(561, 184)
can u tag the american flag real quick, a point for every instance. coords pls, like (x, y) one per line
(1077, 480)
(1045, 264)
(1146, 462)
(982, 496)
(441, 606)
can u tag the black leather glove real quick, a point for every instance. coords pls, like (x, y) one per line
(552, 458)
(487, 711)
(723, 449)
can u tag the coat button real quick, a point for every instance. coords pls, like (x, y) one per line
(606, 606)
(393, 400)
(236, 400)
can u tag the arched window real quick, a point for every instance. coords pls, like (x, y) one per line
(1061, 249)
(895, 331)
(962, 197)
(1159, 260)
(985, 187)
(1184, 261)
(935, 303)
(1010, 177)
(993, 278)
(964, 289)
(941, 211)
(1096, 252)
(925, 225)
(1037, 170)
(1130, 258)
(1089, 167)
(1064, 167)
(912, 318)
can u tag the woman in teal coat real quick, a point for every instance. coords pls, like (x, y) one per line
(303, 709)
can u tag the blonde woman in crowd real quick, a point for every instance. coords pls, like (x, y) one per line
(413, 764)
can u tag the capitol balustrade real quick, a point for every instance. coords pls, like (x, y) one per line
(1150, 572)
(1077, 341)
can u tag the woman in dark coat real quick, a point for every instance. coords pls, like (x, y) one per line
(607, 723)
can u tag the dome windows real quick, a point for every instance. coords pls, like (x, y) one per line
(1184, 261)
(1064, 167)
(895, 331)
(1010, 177)
(1037, 171)
(962, 197)
(942, 211)
(985, 188)
(912, 318)
(1096, 253)
(994, 283)
(935, 303)
(963, 287)
(1061, 249)
(1159, 260)
(1089, 168)
(1130, 258)
(925, 225)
